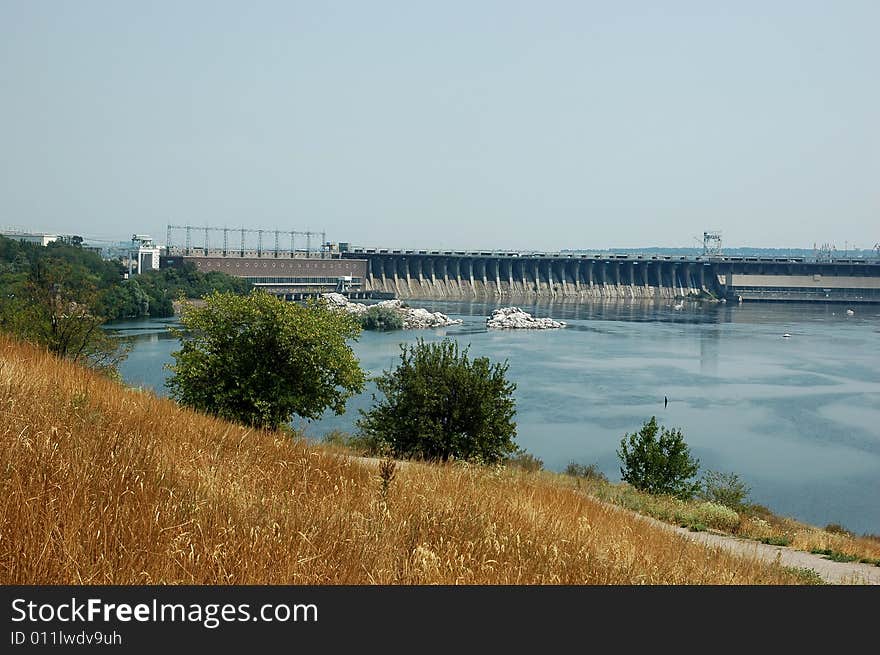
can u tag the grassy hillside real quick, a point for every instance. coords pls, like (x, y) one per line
(105, 485)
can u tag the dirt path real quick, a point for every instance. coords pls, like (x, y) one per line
(830, 571)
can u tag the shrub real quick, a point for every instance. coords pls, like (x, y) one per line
(357, 443)
(259, 360)
(806, 575)
(587, 472)
(57, 305)
(717, 516)
(757, 511)
(836, 528)
(755, 527)
(439, 404)
(335, 438)
(525, 460)
(835, 555)
(382, 319)
(658, 465)
(723, 488)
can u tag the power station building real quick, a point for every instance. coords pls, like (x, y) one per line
(282, 275)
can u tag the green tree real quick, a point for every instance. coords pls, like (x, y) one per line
(658, 465)
(57, 307)
(166, 285)
(724, 488)
(440, 404)
(125, 300)
(259, 360)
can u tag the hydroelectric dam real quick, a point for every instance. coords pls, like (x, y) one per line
(496, 274)
(318, 266)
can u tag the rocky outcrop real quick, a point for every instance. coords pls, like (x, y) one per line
(515, 318)
(338, 301)
(414, 318)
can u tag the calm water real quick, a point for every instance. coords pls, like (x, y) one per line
(797, 418)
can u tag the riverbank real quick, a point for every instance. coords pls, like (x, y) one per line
(114, 486)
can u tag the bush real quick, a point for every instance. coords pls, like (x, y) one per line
(590, 472)
(658, 465)
(807, 576)
(717, 516)
(358, 444)
(839, 556)
(259, 360)
(526, 461)
(723, 488)
(382, 319)
(439, 404)
(836, 528)
(335, 438)
(57, 306)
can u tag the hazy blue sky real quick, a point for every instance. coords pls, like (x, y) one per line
(538, 124)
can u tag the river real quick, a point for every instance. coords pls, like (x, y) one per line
(798, 418)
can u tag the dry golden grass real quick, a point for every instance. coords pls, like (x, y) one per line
(105, 485)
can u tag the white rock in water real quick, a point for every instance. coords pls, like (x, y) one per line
(515, 318)
(419, 318)
(335, 299)
(413, 318)
(338, 301)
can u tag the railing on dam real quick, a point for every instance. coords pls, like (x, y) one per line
(481, 274)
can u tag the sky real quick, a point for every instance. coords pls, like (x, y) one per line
(541, 125)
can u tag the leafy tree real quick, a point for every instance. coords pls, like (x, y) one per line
(56, 307)
(383, 319)
(440, 404)
(724, 488)
(658, 465)
(259, 360)
(166, 285)
(125, 300)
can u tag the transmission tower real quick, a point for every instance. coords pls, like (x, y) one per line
(826, 252)
(712, 243)
(263, 248)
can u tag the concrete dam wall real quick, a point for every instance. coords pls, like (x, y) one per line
(555, 276)
(474, 276)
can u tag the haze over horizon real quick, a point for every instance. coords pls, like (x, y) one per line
(529, 126)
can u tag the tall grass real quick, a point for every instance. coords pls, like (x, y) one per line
(105, 485)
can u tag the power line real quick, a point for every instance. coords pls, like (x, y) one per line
(189, 246)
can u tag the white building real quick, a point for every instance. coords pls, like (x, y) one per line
(147, 253)
(40, 238)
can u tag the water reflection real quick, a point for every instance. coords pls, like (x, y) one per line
(709, 348)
